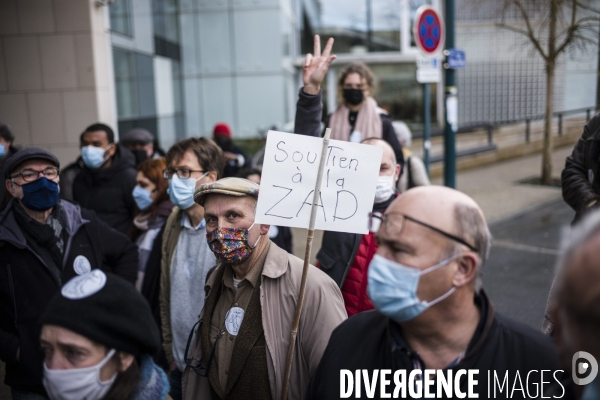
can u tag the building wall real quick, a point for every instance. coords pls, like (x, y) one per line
(54, 72)
(232, 65)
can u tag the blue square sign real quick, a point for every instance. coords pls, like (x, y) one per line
(456, 59)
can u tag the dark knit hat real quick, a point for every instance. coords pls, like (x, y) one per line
(106, 309)
(28, 153)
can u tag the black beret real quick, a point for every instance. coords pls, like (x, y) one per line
(105, 309)
(28, 153)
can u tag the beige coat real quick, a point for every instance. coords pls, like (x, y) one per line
(322, 312)
(170, 238)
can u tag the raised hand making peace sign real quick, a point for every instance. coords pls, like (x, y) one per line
(316, 66)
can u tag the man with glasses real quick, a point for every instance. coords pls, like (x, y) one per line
(106, 180)
(431, 311)
(186, 258)
(44, 242)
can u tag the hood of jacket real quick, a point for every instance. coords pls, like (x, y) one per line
(11, 232)
(122, 159)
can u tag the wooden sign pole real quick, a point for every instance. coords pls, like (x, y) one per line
(309, 240)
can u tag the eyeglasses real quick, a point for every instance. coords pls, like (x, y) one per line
(394, 222)
(181, 173)
(195, 364)
(30, 175)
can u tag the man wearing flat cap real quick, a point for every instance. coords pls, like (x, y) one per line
(44, 242)
(243, 336)
(141, 143)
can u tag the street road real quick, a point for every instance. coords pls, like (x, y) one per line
(520, 269)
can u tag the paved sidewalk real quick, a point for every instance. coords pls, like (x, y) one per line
(495, 188)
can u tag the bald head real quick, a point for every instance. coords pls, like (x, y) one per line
(388, 151)
(451, 211)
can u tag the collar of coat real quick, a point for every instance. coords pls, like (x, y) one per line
(276, 265)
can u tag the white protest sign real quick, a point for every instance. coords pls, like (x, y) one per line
(289, 176)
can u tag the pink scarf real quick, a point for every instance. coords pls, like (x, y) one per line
(368, 121)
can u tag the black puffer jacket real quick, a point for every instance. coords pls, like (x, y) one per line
(368, 341)
(581, 176)
(108, 191)
(27, 284)
(339, 249)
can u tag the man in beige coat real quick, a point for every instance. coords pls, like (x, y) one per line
(241, 344)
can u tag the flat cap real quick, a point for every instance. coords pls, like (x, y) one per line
(137, 135)
(230, 186)
(28, 153)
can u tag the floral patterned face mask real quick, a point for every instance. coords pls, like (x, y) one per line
(230, 245)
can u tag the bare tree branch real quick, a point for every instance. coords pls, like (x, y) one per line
(587, 7)
(530, 34)
(570, 30)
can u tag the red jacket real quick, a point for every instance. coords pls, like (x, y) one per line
(354, 288)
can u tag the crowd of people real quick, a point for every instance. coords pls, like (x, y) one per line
(135, 273)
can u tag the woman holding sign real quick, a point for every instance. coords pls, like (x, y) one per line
(357, 117)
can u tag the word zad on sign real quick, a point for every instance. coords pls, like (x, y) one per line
(289, 176)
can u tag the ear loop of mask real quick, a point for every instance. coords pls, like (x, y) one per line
(433, 268)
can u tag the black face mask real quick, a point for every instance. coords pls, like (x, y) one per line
(140, 155)
(354, 96)
(223, 142)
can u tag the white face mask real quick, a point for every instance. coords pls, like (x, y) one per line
(385, 188)
(77, 383)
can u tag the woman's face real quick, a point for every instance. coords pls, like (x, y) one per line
(145, 183)
(355, 81)
(65, 349)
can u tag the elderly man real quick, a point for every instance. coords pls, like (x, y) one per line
(576, 312)
(431, 313)
(345, 257)
(44, 242)
(241, 345)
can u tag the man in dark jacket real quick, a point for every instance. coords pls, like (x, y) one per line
(233, 155)
(44, 242)
(581, 176)
(432, 315)
(106, 182)
(345, 257)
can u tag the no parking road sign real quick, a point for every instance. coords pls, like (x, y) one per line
(429, 30)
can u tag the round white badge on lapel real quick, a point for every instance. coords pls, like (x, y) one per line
(85, 285)
(82, 265)
(233, 320)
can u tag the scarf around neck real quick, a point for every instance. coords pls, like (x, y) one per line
(368, 121)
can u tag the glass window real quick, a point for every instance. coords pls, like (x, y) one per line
(358, 26)
(120, 17)
(165, 20)
(125, 83)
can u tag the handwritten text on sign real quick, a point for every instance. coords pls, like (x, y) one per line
(290, 172)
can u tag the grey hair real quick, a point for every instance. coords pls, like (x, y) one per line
(472, 227)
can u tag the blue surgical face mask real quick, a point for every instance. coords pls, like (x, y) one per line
(40, 195)
(2, 150)
(142, 198)
(181, 191)
(93, 157)
(393, 288)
